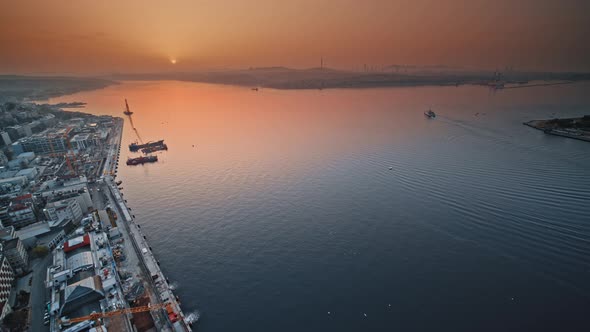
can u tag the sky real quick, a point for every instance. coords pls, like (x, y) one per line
(130, 36)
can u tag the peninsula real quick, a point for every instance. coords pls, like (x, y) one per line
(576, 128)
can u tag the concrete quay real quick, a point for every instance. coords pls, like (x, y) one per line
(158, 286)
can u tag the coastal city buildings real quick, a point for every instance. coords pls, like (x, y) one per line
(17, 255)
(18, 212)
(51, 141)
(65, 229)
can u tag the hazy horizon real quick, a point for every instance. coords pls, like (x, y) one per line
(64, 37)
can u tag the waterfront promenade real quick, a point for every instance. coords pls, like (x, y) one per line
(156, 283)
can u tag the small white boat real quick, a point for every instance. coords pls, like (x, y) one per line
(430, 114)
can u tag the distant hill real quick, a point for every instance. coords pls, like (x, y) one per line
(19, 88)
(320, 78)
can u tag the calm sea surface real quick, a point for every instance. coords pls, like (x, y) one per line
(278, 211)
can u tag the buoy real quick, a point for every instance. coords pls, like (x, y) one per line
(390, 168)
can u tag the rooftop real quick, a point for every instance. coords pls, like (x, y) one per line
(11, 244)
(80, 260)
(26, 171)
(77, 242)
(33, 230)
(6, 231)
(26, 155)
(81, 294)
(80, 137)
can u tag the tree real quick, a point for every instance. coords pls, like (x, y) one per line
(10, 106)
(16, 320)
(40, 251)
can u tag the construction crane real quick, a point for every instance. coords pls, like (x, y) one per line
(70, 159)
(127, 110)
(96, 316)
(136, 132)
(129, 113)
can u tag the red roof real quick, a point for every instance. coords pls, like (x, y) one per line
(18, 207)
(27, 196)
(75, 243)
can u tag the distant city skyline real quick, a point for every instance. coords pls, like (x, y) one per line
(65, 37)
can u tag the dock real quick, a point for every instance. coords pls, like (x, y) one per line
(159, 288)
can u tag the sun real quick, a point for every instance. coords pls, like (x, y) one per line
(173, 61)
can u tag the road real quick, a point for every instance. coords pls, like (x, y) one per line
(135, 263)
(103, 197)
(39, 294)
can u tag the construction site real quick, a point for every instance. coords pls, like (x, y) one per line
(104, 277)
(98, 279)
(58, 192)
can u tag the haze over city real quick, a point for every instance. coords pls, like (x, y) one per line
(305, 165)
(100, 37)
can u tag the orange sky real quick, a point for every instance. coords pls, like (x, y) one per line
(64, 36)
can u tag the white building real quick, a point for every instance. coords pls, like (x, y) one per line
(30, 156)
(40, 234)
(7, 233)
(19, 212)
(67, 209)
(5, 138)
(26, 130)
(29, 173)
(81, 141)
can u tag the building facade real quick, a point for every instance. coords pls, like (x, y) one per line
(5, 138)
(19, 213)
(17, 256)
(7, 233)
(42, 143)
(81, 141)
(67, 209)
(3, 159)
(6, 283)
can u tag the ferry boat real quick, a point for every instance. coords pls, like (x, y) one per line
(155, 148)
(134, 147)
(430, 114)
(142, 160)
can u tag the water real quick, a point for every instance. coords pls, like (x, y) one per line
(285, 215)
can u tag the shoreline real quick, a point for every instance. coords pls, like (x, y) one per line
(40, 88)
(37, 89)
(149, 264)
(553, 127)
